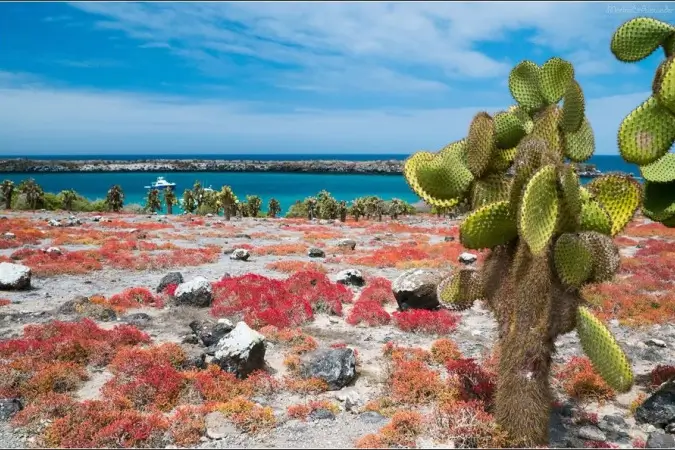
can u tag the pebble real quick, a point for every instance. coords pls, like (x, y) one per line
(591, 434)
(656, 343)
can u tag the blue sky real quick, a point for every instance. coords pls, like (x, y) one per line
(299, 77)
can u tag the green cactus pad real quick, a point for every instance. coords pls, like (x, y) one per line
(605, 253)
(661, 171)
(573, 108)
(502, 160)
(580, 145)
(480, 143)
(488, 227)
(523, 116)
(619, 196)
(440, 180)
(539, 210)
(554, 76)
(489, 189)
(669, 46)
(525, 164)
(602, 349)
(664, 84)
(509, 130)
(546, 127)
(670, 223)
(647, 133)
(595, 218)
(584, 194)
(524, 85)
(638, 38)
(659, 201)
(573, 260)
(568, 182)
(460, 290)
(455, 147)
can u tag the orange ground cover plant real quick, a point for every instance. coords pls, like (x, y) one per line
(292, 266)
(580, 381)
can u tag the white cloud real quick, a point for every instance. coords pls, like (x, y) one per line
(341, 44)
(42, 119)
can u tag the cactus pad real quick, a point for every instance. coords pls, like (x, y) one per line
(605, 253)
(524, 85)
(638, 38)
(664, 84)
(546, 127)
(669, 46)
(554, 76)
(580, 145)
(523, 116)
(573, 259)
(488, 227)
(619, 196)
(539, 210)
(647, 133)
(573, 108)
(489, 189)
(440, 180)
(659, 203)
(509, 130)
(568, 182)
(661, 171)
(595, 218)
(460, 290)
(602, 349)
(502, 160)
(525, 164)
(480, 143)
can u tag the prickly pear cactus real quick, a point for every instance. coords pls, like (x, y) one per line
(647, 134)
(547, 234)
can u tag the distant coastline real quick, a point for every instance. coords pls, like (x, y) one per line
(375, 167)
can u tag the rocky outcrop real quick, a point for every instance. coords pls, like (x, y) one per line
(196, 292)
(337, 367)
(241, 352)
(14, 277)
(416, 289)
(168, 279)
(351, 277)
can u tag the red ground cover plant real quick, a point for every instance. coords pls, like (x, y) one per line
(427, 322)
(303, 410)
(580, 381)
(187, 425)
(468, 425)
(282, 249)
(283, 303)
(5, 302)
(653, 229)
(292, 266)
(246, 415)
(143, 226)
(378, 289)
(444, 350)
(660, 374)
(473, 381)
(45, 264)
(401, 431)
(131, 298)
(368, 312)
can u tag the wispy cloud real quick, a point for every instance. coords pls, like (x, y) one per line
(62, 18)
(89, 63)
(42, 119)
(329, 45)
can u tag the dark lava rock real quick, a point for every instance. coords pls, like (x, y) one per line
(210, 332)
(315, 252)
(170, 278)
(351, 277)
(9, 407)
(137, 319)
(336, 366)
(659, 408)
(241, 352)
(322, 414)
(660, 440)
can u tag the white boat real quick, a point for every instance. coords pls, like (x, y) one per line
(161, 183)
(209, 189)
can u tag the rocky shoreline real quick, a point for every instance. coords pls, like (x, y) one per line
(379, 167)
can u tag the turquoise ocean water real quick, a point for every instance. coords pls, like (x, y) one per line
(285, 187)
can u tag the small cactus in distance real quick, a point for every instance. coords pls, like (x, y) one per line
(114, 199)
(647, 134)
(273, 208)
(153, 202)
(547, 234)
(228, 201)
(254, 204)
(7, 188)
(170, 199)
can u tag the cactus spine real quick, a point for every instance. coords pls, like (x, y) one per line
(548, 236)
(647, 134)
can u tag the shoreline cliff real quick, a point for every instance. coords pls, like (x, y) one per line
(375, 167)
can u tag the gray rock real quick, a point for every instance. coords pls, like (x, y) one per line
(315, 252)
(241, 352)
(322, 414)
(591, 433)
(659, 408)
(170, 278)
(347, 243)
(14, 277)
(242, 236)
(372, 417)
(416, 289)
(194, 357)
(670, 428)
(467, 258)
(9, 407)
(449, 239)
(656, 343)
(218, 427)
(240, 254)
(53, 251)
(351, 277)
(137, 319)
(660, 440)
(336, 366)
(196, 292)
(210, 332)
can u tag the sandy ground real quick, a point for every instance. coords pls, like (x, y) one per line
(475, 335)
